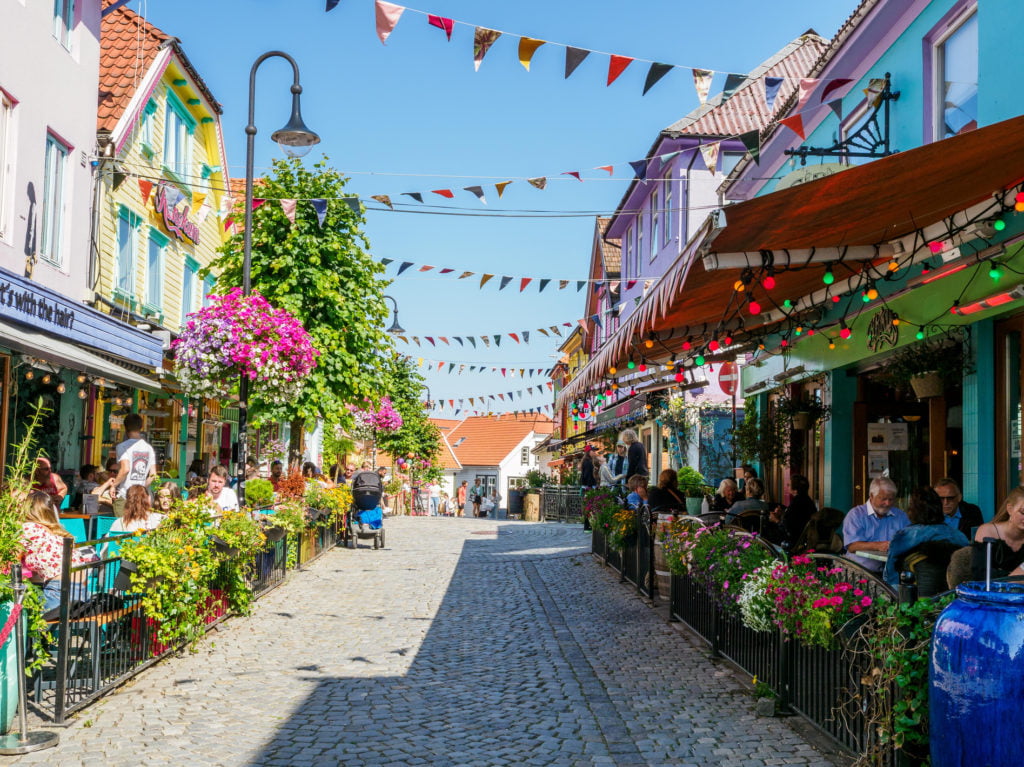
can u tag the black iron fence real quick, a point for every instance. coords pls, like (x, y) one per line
(561, 503)
(635, 561)
(102, 637)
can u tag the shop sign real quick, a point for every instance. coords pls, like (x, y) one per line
(622, 410)
(33, 308)
(881, 330)
(175, 221)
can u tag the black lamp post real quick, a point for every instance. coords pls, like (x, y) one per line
(296, 140)
(395, 329)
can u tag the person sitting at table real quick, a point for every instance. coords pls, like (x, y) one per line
(1008, 529)
(753, 501)
(638, 494)
(786, 523)
(138, 512)
(167, 497)
(48, 481)
(218, 491)
(666, 494)
(728, 493)
(927, 525)
(959, 514)
(42, 541)
(868, 528)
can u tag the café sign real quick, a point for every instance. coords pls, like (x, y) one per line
(175, 221)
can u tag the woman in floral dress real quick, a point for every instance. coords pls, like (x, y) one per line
(42, 537)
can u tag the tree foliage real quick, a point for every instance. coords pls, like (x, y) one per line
(417, 435)
(322, 275)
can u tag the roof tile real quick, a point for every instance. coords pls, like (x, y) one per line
(487, 440)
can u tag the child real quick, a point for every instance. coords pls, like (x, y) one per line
(638, 487)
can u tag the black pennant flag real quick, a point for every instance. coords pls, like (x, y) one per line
(752, 141)
(655, 73)
(332, 4)
(573, 58)
(415, 195)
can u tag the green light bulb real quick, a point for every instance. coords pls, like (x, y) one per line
(995, 272)
(787, 304)
(631, 364)
(919, 335)
(699, 360)
(865, 298)
(999, 225)
(828, 278)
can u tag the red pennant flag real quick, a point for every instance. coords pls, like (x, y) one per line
(609, 168)
(616, 66)
(514, 337)
(833, 86)
(431, 340)
(524, 282)
(426, 268)
(796, 124)
(574, 173)
(442, 23)
(503, 372)
(227, 223)
(447, 271)
(440, 365)
(145, 187)
(257, 202)
(444, 192)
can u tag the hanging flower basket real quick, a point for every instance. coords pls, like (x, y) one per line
(240, 335)
(927, 385)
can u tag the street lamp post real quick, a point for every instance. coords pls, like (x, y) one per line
(395, 329)
(296, 140)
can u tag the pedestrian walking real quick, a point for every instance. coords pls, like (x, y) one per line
(588, 475)
(434, 493)
(476, 495)
(461, 495)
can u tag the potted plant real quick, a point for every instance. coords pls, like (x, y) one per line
(928, 368)
(804, 412)
(259, 493)
(691, 485)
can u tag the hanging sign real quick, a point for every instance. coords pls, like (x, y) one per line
(175, 221)
(728, 377)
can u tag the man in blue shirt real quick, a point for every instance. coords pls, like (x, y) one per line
(960, 515)
(868, 528)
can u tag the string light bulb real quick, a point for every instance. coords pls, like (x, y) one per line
(612, 370)
(82, 394)
(30, 374)
(754, 307)
(699, 360)
(768, 282)
(894, 266)
(81, 378)
(828, 278)
(896, 321)
(831, 344)
(844, 332)
(678, 376)
(872, 294)
(713, 346)
(995, 271)
(631, 365)
(999, 224)
(738, 286)
(61, 388)
(687, 345)
(919, 335)
(649, 343)
(787, 304)
(47, 379)
(643, 367)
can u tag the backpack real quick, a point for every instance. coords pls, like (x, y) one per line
(367, 482)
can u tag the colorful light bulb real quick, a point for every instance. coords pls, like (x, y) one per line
(713, 346)
(699, 360)
(643, 368)
(649, 343)
(999, 225)
(631, 365)
(787, 304)
(738, 286)
(678, 376)
(872, 294)
(768, 282)
(828, 278)
(754, 307)
(687, 345)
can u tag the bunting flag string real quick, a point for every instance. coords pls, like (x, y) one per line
(466, 368)
(388, 14)
(519, 336)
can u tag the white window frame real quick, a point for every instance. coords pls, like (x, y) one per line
(155, 277)
(938, 66)
(189, 281)
(668, 210)
(629, 251)
(524, 455)
(655, 224)
(55, 173)
(639, 239)
(6, 157)
(179, 128)
(209, 285)
(63, 21)
(127, 240)
(147, 128)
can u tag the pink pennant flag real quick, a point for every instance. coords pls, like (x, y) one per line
(228, 222)
(388, 15)
(257, 202)
(522, 285)
(616, 66)
(448, 193)
(288, 206)
(442, 338)
(583, 325)
(574, 173)
(807, 86)
(426, 268)
(442, 23)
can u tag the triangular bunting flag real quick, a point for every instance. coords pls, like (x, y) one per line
(543, 284)
(471, 340)
(504, 281)
(795, 123)
(655, 73)
(539, 182)
(425, 268)
(353, 203)
(526, 340)
(752, 142)
(609, 168)
(484, 279)
(527, 47)
(387, 261)
(836, 105)
(732, 82)
(416, 340)
(459, 339)
(702, 82)
(573, 58)
(320, 206)
(771, 90)
(331, 5)
(574, 173)
(228, 222)
(597, 320)
(616, 66)
(483, 39)
(580, 284)
(563, 284)
(555, 330)
(203, 213)
(524, 282)
(710, 154)
(807, 86)
(514, 337)
(442, 338)
(478, 191)
(440, 365)
(388, 15)
(446, 193)
(415, 195)
(447, 271)
(583, 325)
(402, 267)
(198, 198)
(501, 187)
(288, 206)
(257, 202)
(486, 340)
(833, 86)
(639, 169)
(384, 199)
(464, 275)
(432, 344)
(145, 189)
(442, 23)
(497, 340)
(630, 284)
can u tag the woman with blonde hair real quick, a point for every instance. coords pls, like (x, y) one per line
(1008, 529)
(42, 538)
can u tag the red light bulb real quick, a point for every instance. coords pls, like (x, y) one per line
(679, 377)
(784, 343)
(728, 340)
(713, 346)
(643, 367)
(845, 333)
(836, 299)
(935, 246)
(754, 307)
(768, 282)
(686, 346)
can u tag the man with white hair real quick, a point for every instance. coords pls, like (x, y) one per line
(868, 528)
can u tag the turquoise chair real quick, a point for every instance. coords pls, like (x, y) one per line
(103, 525)
(77, 529)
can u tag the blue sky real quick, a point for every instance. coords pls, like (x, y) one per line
(414, 116)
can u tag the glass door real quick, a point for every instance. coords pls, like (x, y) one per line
(1009, 470)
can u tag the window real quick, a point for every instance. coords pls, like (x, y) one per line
(655, 222)
(639, 241)
(6, 117)
(178, 131)
(155, 270)
(524, 455)
(63, 21)
(188, 288)
(208, 287)
(669, 214)
(628, 265)
(147, 135)
(729, 162)
(127, 247)
(956, 79)
(55, 170)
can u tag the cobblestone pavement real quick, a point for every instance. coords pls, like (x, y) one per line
(466, 642)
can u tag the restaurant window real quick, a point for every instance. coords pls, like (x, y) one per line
(1009, 379)
(55, 170)
(655, 223)
(669, 214)
(63, 21)
(147, 130)
(155, 270)
(6, 119)
(178, 132)
(190, 280)
(955, 77)
(127, 247)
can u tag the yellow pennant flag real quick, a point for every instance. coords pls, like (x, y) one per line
(198, 198)
(419, 362)
(527, 47)
(501, 187)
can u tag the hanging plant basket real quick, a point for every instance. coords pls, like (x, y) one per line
(927, 385)
(802, 421)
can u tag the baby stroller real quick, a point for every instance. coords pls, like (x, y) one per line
(366, 517)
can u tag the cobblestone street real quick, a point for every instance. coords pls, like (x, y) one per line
(465, 642)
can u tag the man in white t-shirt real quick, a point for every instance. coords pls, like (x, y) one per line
(136, 463)
(216, 487)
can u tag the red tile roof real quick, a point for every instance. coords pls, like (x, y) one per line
(487, 440)
(447, 458)
(445, 424)
(128, 47)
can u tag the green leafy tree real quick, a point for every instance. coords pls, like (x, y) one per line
(417, 435)
(325, 277)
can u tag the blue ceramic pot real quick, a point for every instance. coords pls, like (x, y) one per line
(977, 678)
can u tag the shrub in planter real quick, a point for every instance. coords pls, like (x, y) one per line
(622, 528)
(600, 506)
(259, 492)
(243, 538)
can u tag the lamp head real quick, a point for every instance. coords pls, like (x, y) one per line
(295, 138)
(396, 329)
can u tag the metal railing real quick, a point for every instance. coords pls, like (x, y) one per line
(561, 503)
(635, 561)
(102, 637)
